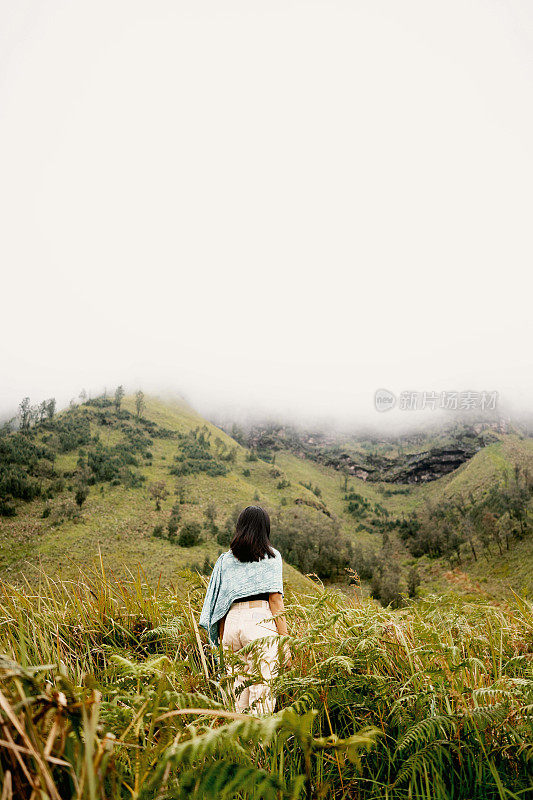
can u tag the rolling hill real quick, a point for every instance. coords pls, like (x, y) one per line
(206, 475)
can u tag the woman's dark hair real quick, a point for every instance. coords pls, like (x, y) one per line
(251, 541)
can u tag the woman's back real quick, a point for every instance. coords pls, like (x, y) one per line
(244, 603)
(232, 580)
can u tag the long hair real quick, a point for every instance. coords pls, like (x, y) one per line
(251, 541)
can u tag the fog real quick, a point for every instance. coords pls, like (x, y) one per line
(275, 208)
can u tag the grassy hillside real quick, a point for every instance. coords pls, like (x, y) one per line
(118, 520)
(493, 573)
(475, 476)
(119, 515)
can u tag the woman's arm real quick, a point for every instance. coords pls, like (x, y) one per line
(275, 601)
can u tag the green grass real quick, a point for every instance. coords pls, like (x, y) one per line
(108, 690)
(434, 701)
(120, 521)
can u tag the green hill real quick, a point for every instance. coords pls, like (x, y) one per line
(118, 517)
(492, 573)
(206, 476)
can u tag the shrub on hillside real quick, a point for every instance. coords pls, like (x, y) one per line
(158, 532)
(413, 581)
(70, 430)
(158, 491)
(173, 523)
(385, 585)
(312, 542)
(195, 456)
(224, 536)
(365, 561)
(204, 569)
(190, 534)
(106, 463)
(7, 507)
(315, 489)
(15, 482)
(65, 511)
(130, 478)
(81, 494)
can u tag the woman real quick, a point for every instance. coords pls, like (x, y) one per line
(245, 591)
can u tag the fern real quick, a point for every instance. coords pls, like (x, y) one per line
(426, 731)
(143, 669)
(172, 631)
(429, 759)
(224, 779)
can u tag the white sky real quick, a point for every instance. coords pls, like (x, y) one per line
(280, 205)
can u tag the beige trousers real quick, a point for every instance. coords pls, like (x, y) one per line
(244, 625)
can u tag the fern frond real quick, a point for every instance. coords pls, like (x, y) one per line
(429, 759)
(224, 780)
(491, 693)
(426, 731)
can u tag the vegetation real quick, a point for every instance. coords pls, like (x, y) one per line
(195, 455)
(87, 476)
(311, 542)
(420, 699)
(108, 689)
(190, 534)
(140, 405)
(488, 523)
(158, 492)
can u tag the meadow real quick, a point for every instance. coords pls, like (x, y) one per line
(109, 690)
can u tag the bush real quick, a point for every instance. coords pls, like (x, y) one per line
(158, 491)
(211, 512)
(81, 495)
(365, 561)
(15, 482)
(224, 536)
(385, 586)
(413, 581)
(172, 527)
(65, 511)
(131, 479)
(190, 534)
(195, 457)
(312, 542)
(7, 507)
(158, 532)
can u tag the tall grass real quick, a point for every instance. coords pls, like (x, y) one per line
(108, 690)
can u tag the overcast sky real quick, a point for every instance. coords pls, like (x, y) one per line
(276, 205)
